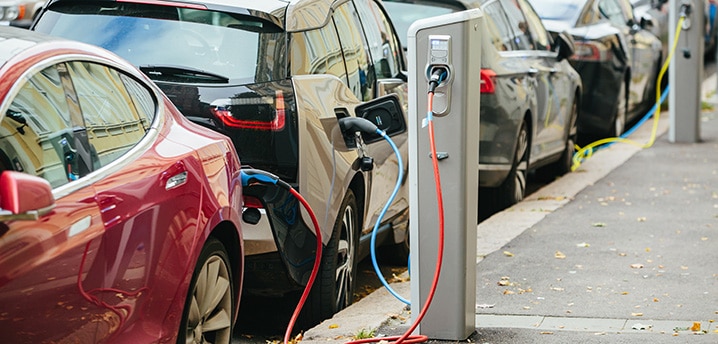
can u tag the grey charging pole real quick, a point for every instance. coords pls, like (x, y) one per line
(451, 42)
(686, 70)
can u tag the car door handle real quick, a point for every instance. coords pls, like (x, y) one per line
(533, 71)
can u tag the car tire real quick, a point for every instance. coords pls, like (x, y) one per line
(564, 163)
(619, 120)
(513, 189)
(335, 284)
(212, 289)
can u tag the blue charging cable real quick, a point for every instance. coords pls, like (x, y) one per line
(399, 178)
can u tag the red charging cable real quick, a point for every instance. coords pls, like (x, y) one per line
(315, 269)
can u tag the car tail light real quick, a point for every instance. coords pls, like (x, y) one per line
(591, 51)
(223, 111)
(488, 84)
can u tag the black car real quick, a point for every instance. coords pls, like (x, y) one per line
(275, 76)
(617, 56)
(530, 94)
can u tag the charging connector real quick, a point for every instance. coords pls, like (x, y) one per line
(437, 75)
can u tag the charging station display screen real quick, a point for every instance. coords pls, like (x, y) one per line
(439, 44)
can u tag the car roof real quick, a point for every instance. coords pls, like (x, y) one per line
(291, 15)
(15, 40)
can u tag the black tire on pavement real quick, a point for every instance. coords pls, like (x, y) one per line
(333, 290)
(209, 307)
(619, 120)
(513, 189)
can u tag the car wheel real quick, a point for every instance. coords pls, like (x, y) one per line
(619, 121)
(209, 308)
(513, 189)
(334, 288)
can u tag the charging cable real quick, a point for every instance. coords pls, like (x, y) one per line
(364, 125)
(587, 151)
(252, 176)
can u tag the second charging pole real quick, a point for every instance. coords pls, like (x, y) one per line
(451, 42)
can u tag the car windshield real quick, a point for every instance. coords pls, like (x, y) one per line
(561, 10)
(405, 14)
(176, 44)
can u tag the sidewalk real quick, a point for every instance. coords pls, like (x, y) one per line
(603, 255)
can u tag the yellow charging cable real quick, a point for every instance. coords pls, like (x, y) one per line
(587, 151)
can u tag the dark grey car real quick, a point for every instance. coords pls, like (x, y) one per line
(617, 56)
(530, 94)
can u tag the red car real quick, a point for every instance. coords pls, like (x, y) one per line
(119, 219)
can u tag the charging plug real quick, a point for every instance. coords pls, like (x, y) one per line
(686, 9)
(438, 74)
(350, 125)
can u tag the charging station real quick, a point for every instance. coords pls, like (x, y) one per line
(451, 42)
(686, 70)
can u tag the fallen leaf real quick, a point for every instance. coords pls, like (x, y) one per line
(546, 332)
(583, 244)
(332, 326)
(598, 224)
(508, 292)
(637, 266)
(696, 326)
(508, 254)
(559, 255)
(641, 219)
(637, 314)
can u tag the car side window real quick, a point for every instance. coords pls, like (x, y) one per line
(113, 119)
(611, 9)
(383, 45)
(522, 36)
(317, 52)
(361, 77)
(37, 134)
(498, 27)
(539, 35)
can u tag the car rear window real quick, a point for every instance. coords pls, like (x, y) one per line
(176, 44)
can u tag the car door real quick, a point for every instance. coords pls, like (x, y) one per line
(561, 84)
(387, 61)
(46, 292)
(643, 57)
(546, 136)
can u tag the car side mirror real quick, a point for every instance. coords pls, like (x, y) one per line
(24, 196)
(565, 45)
(384, 112)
